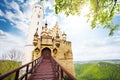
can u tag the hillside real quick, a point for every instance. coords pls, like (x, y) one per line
(97, 71)
(8, 65)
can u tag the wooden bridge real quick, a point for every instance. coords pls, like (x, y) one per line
(43, 68)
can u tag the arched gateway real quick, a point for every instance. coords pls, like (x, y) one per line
(46, 53)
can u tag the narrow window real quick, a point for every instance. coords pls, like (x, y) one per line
(37, 23)
(38, 16)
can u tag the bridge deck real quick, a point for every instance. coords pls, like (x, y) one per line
(44, 71)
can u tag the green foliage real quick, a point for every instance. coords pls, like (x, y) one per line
(101, 11)
(66, 77)
(97, 71)
(6, 66)
(69, 6)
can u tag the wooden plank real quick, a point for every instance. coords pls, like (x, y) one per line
(44, 71)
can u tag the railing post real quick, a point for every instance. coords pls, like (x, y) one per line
(62, 77)
(35, 63)
(32, 67)
(26, 72)
(61, 72)
(17, 75)
(58, 71)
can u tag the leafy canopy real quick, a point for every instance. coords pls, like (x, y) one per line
(101, 12)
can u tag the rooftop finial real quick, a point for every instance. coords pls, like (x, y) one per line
(46, 24)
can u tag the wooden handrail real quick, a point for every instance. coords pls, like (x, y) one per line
(61, 72)
(29, 69)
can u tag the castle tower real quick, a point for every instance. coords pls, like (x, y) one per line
(35, 24)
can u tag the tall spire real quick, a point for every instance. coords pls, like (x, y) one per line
(56, 24)
(36, 33)
(57, 35)
(46, 24)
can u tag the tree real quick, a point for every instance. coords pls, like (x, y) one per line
(10, 61)
(13, 54)
(4, 57)
(101, 12)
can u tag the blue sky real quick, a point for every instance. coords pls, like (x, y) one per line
(87, 44)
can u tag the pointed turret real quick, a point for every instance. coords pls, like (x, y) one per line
(35, 40)
(36, 33)
(57, 35)
(64, 36)
(56, 25)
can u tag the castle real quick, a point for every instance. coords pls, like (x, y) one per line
(41, 37)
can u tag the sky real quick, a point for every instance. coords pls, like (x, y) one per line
(87, 43)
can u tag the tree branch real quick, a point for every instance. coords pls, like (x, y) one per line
(115, 1)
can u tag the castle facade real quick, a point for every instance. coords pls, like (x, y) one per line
(41, 37)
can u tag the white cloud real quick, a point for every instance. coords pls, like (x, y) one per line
(14, 6)
(8, 42)
(48, 4)
(2, 33)
(19, 18)
(96, 49)
(21, 1)
(1, 13)
(3, 20)
(51, 19)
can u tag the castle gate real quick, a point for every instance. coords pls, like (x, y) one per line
(46, 53)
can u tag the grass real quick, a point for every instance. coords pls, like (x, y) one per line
(6, 66)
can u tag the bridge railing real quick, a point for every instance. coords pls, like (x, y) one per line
(26, 70)
(61, 73)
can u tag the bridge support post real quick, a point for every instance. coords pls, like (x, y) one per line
(62, 76)
(32, 68)
(17, 75)
(26, 77)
